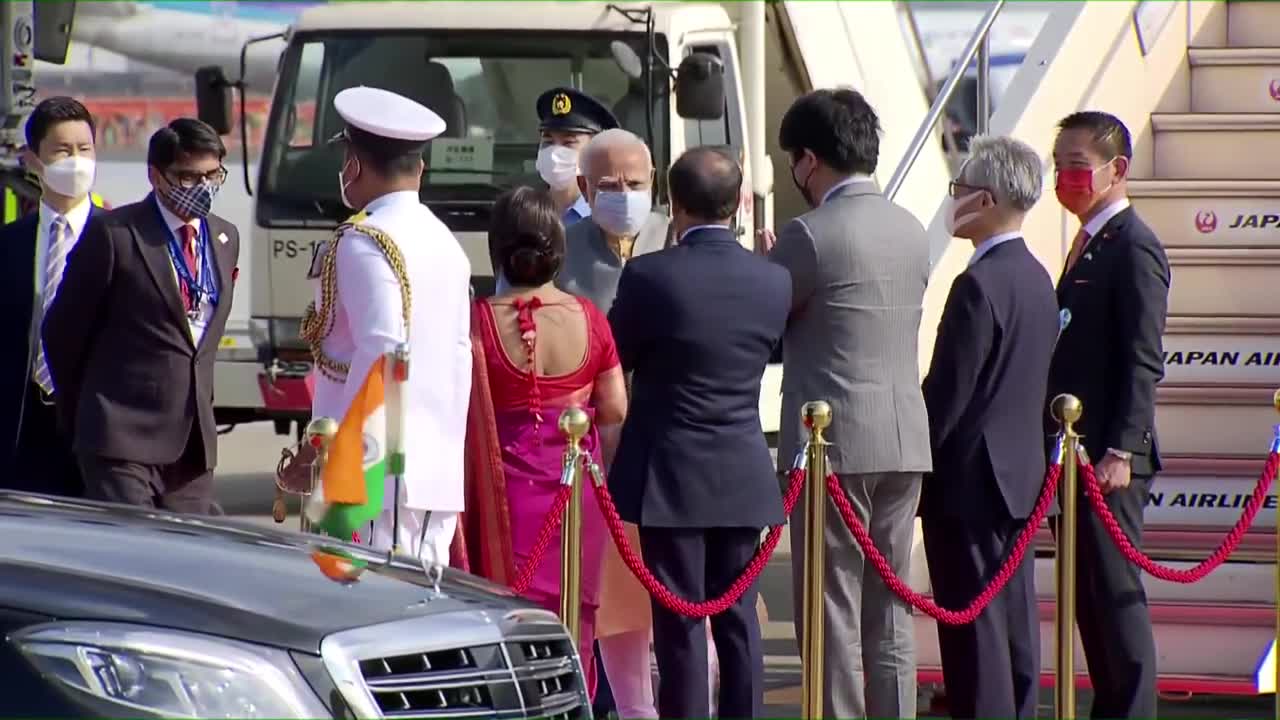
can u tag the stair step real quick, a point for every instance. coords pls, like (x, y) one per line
(1235, 636)
(1220, 325)
(1182, 535)
(1216, 421)
(1213, 360)
(1233, 56)
(1224, 281)
(1219, 467)
(1203, 188)
(1253, 24)
(1210, 213)
(1235, 80)
(1229, 146)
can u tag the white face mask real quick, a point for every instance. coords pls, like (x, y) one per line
(558, 166)
(953, 212)
(621, 213)
(71, 176)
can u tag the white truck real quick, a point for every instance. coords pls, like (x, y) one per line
(739, 67)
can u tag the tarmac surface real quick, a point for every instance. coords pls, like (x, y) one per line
(247, 458)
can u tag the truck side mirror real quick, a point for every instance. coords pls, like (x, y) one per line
(53, 20)
(213, 99)
(700, 87)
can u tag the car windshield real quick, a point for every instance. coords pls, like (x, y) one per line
(484, 84)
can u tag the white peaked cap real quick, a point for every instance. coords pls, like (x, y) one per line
(386, 114)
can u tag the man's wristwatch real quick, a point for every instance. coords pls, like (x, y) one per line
(1122, 454)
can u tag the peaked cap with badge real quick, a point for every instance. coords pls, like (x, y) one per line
(564, 109)
(387, 116)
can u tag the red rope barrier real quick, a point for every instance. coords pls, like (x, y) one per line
(925, 604)
(550, 528)
(1209, 564)
(663, 594)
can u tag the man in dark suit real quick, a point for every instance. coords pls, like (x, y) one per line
(33, 252)
(1114, 294)
(132, 335)
(696, 325)
(989, 371)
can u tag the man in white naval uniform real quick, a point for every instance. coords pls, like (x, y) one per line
(397, 253)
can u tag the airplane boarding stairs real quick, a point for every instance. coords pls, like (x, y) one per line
(1214, 201)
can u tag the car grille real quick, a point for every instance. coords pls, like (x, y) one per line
(533, 677)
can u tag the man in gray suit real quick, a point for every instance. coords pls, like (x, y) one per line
(617, 181)
(859, 265)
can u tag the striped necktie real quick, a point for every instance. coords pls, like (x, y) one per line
(59, 246)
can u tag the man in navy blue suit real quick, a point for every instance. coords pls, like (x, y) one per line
(696, 324)
(33, 252)
(984, 395)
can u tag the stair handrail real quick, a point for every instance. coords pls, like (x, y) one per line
(979, 46)
(917, 44)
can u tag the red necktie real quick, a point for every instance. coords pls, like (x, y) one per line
(189, 251)
(1077, 249)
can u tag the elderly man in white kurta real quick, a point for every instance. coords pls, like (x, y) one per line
(398, 253)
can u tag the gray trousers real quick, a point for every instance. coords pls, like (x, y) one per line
(870, 639)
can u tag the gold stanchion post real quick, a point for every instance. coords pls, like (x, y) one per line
(1275, 447)
(320, 432)
(574, 423)
(817, 418)
(1067, 410)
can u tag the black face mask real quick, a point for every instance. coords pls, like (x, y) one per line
(803, 187)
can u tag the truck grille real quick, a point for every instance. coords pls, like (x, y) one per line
(518, 678)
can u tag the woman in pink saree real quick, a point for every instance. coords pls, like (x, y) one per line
(536, 351)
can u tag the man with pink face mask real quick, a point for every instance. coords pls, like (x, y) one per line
(1113, 295)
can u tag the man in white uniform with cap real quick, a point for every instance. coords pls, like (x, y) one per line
(397, 254)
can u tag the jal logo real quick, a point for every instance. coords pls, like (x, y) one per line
(1274, 89)
(1206, 221)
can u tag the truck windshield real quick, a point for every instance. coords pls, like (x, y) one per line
(484, 85)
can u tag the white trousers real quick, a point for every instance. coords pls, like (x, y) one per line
(429, 543)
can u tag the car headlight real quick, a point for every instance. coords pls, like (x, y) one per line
(168, 672)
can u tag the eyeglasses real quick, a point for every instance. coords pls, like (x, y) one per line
(188, 179)
(957, 188)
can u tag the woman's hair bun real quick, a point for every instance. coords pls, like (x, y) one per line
(526, 236)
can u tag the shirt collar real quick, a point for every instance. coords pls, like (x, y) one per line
(852, 179)
(173, 222)
(990, 243)
(581, 207)
(696, 228)
(76, 217)
(391, 198)
(1094, 226)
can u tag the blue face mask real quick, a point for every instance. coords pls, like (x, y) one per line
(621, 213)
